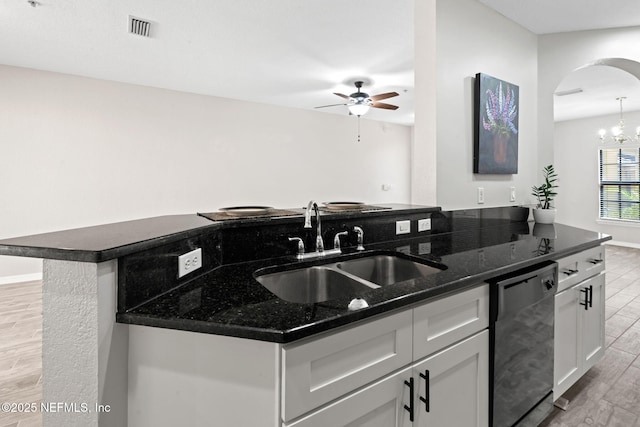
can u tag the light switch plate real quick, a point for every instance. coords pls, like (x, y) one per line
(189, 262)
(403, 227)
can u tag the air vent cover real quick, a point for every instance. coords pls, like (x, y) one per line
(139, 26)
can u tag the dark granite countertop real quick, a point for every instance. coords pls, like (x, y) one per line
(104, 242)
(229, 301)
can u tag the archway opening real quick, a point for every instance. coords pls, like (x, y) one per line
(585, 101)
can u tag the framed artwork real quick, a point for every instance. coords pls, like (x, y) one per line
(495, 142)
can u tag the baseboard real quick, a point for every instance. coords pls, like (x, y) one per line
(6, 280)
(625, 244)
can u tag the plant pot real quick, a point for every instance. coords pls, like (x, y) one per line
(544, 216)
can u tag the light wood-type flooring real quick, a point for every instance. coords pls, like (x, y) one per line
(21, 351)
(607, 396)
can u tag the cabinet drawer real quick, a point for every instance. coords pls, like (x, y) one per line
(318, 371)
(578, 267)
(440, 323)
(379, 404)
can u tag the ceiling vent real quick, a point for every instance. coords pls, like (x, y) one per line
(139, 26)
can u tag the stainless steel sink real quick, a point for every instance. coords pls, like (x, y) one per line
(312, 284)
(342, 279)
(386, 269)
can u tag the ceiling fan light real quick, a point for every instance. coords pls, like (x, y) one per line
(359, 109)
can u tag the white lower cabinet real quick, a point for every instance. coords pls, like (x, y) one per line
(446, 382)
(579, 331)
(381, 404)
(449, 389)
(371, 374)
(453, 385)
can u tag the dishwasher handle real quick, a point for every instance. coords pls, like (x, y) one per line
(521, 291)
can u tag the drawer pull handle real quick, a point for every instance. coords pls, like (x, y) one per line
(425, 399)
(596, 261)
(570, 272)
(410, 407)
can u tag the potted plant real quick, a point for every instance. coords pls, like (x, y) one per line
(545, 213)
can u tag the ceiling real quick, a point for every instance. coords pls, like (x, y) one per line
(292, 53)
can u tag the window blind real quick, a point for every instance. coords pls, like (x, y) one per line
(620, 183)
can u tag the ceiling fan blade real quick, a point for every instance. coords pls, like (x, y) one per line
(384, 96)
(383, 105)
(330, 105)
(341, 95)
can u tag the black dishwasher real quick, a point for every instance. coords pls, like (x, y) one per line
(521, 333)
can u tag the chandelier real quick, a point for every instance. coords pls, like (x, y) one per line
(617, 132)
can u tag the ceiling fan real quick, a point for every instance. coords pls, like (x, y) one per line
(359, 102)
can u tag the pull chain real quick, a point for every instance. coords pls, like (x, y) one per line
(358, 128)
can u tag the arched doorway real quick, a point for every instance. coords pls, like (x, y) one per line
(578, 115)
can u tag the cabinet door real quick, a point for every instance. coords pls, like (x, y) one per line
(455, 382)
(593, 323)
(381, 404)
(445, 321)
(567, 330)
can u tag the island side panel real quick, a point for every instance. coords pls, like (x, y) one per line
(84, 352)
(180, 378)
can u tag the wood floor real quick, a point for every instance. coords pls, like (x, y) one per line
(607, 396)
(21, 351)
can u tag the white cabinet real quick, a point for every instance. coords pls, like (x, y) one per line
(319, 370)
(365, 375)
(381, 404)
(579, 318)
(442, 322)
(455, 383)
(450, 365)
(449, 388)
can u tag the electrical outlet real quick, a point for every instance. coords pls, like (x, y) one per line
(512, 194)
(480, 195)
(189, 262)
(403, 227)
(424, 224)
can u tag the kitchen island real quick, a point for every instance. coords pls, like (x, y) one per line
(100, 281)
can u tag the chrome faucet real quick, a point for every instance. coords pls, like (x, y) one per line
(307, 224)
(319, 250)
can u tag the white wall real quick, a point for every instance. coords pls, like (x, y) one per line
(472, 38)
(79, 152)
(424, 148)
(576, 161)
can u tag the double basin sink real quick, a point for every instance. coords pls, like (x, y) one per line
(343, 278)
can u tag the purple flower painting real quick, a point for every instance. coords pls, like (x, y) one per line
(496, 126)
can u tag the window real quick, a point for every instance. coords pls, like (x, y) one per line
(620, 183)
